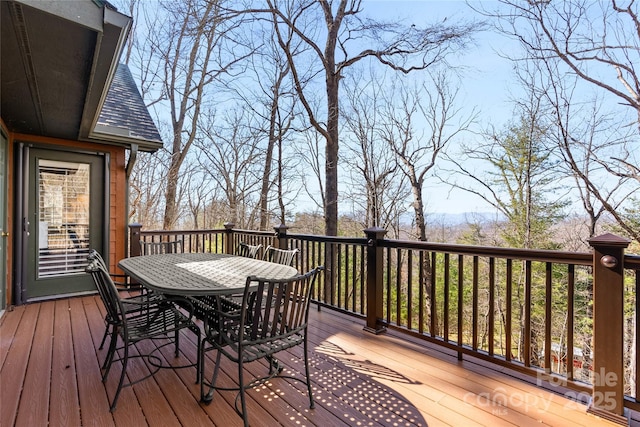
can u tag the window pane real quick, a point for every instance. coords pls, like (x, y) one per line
(63, 229)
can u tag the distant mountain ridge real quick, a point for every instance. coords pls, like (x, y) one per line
(463, 217)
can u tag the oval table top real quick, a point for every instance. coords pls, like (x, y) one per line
(201, 273)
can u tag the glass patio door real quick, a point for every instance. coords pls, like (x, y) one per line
(65, 220)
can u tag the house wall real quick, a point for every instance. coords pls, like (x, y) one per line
(118, 193)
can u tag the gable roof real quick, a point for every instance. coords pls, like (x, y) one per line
(124, 115)
(58, 59)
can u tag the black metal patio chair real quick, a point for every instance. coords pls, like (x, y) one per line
(247, 250)
(272, 317)
(131, 304)
(280, 256)
(137, 321)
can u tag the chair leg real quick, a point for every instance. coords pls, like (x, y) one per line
(198, 356)
(104, 337)
(243, 399)
(125, 361)
(177, 342)
(274, 365)
(201, 369)
(306, 368)
(208, 397)
(113, 344)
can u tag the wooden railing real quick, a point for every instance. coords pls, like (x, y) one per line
(567, 319)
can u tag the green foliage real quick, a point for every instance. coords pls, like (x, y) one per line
(521, 174)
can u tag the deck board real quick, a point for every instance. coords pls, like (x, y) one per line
(63, 372)
(15, 366)
(50, 373)
(34, 410)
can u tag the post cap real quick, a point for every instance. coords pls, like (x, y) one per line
(609, 239)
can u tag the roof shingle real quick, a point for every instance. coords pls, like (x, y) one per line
(125, 110)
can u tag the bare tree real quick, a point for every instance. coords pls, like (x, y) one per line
(585, 136)
(597, 41)
(376, 183)
(266, 90)
(186, 49)
(420, 123)
(599, 44)
(146, 189)
(310, 151)
(231, 155)
(346, 39)
(200, 191)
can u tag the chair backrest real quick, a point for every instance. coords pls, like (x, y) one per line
(154, 248)
(247, 250)
(106, 287)
(280, 256)
(276, 309)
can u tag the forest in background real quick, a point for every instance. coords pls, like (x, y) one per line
(264, 104)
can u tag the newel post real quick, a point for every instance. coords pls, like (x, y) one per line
(281, 235)
(374, 280)
(608, 327)
(228, 241)
(134, 239)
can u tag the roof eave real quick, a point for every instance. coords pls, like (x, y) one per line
(111, 39)
(119, 136)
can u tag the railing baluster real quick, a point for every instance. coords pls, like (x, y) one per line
(421, 296)
(363, 273)
(460, 303)
(492, 304)
(527, 314)
(409, 288)
(432, 294)
(474, 297)
(509, 308)
(547, 319)
(338, 264)
(570, 316)
(354, 261)
(388, 285)
(350, 289)
(398, 285)
(637, 337)
(445, 303)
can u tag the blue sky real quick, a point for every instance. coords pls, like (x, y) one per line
(489, 78)
(487, 86)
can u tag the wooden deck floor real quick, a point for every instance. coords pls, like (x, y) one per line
(50, 375)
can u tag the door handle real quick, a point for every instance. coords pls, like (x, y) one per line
(4, 234)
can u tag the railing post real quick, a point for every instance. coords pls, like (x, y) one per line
(281, 235)
(134, 239)
(374, 280)
(608, 327)
(228, 244)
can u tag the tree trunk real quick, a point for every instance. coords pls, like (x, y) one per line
(266, 176)
(331, 160)
(170, 211)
